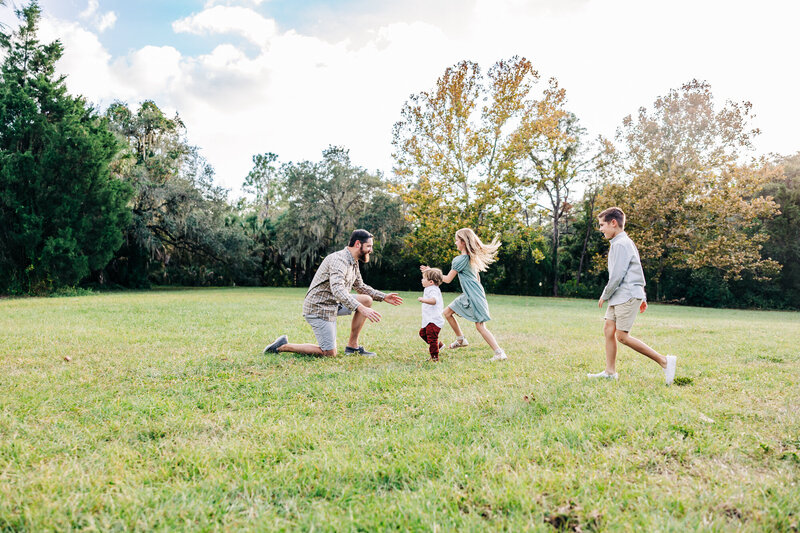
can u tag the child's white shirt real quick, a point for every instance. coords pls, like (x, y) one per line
(433, 313)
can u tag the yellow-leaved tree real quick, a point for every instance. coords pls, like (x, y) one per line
(454, 160)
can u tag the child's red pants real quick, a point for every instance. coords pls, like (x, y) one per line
(430, 334)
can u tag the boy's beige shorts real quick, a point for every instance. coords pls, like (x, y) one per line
(624, 314)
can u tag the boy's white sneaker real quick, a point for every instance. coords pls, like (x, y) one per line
(669, 372)
(603, 375)
(500, 356)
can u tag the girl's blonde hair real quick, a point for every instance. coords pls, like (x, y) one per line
(480, 255)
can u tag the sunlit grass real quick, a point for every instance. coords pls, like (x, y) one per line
(169, 417)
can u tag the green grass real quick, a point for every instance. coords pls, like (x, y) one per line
(169, 417)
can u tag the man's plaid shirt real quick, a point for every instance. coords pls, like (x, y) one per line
(335, 277)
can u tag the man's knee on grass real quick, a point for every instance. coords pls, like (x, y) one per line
(328, 353)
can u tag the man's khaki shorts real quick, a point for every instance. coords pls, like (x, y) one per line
(624, 314)
(324, 330)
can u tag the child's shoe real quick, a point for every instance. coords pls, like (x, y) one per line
(499, 355)
(460, 342)
(669, 372)
(603, 375)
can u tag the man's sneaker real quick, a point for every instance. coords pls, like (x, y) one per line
(669, 372)
(277, 343)
(360, 351)
(603, 375)
(500, 356)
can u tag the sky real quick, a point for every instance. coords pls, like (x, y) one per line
(295, 76)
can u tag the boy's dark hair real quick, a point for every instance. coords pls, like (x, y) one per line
(613, 213)
(434, 275)
(360, 235)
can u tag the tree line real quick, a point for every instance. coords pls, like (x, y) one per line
(119, 198)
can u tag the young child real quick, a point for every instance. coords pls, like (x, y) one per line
(475, 257)
(625, 293)
(432, 304)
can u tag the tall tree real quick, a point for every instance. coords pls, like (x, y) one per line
(691, 197)
(183, 228)
(554, 160)
(605, 163)
(61, 211)
(264, 182)
(453, 157)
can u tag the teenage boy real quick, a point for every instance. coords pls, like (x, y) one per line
(625, 294)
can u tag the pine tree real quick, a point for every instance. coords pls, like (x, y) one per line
(61, 211)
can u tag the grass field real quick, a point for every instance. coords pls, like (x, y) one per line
(168, 416)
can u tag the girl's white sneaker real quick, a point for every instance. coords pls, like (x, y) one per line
(500, 356)
(459, 343)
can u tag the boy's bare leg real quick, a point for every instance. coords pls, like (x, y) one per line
(305, 349)
(451, 319)
(635, 344)
(358, 321)
(487, 335)
(609, 329)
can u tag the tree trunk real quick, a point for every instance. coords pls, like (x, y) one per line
(583, 252)
(586, 237)
(555, 252)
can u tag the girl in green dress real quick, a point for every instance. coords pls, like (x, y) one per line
(471, 304)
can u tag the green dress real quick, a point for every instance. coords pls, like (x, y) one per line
(472, 304)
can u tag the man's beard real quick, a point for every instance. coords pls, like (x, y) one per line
(363, 257)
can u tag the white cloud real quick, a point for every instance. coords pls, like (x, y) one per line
(101, 21)
(152, 70)
(106, 21)
(85, 62)
(229, 20)
(148, 73)
(90, 10)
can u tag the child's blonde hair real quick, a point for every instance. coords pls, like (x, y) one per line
(480, 255)
(434, 275)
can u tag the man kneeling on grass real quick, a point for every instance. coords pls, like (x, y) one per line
(329, 296)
